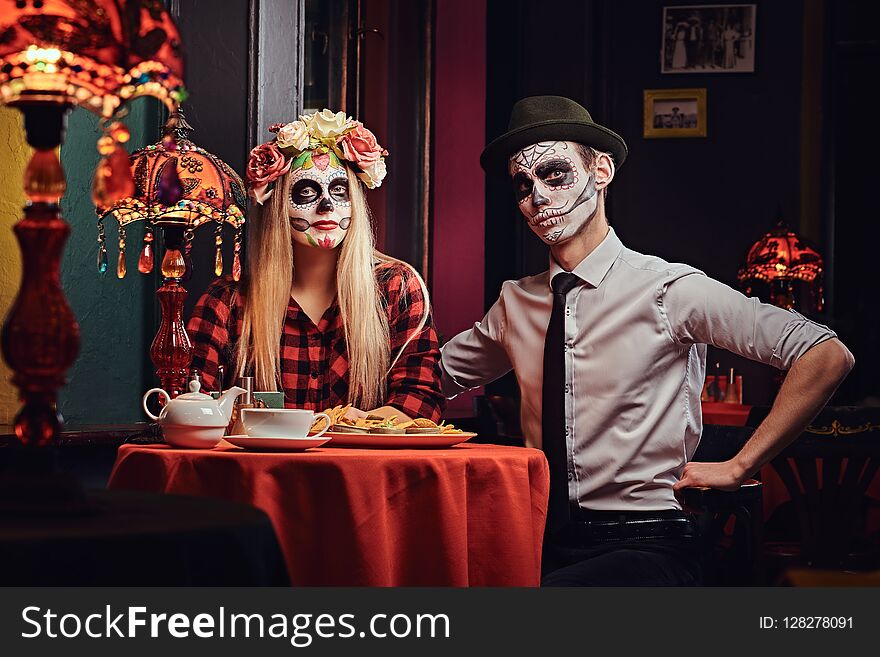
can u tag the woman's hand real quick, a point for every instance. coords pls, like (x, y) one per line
(383, 411)
(388, 411)
(354, 413)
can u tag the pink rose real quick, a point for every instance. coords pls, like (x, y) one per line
(265, 165)
(359, 146)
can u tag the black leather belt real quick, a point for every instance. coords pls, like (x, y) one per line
(604, 526)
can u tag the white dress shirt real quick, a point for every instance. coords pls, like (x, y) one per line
(636, 332)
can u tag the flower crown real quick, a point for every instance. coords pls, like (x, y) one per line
(299, 143)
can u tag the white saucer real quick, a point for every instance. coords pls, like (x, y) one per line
(276, 444)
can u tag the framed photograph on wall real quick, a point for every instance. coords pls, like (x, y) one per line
(708, 39)
(675, 113)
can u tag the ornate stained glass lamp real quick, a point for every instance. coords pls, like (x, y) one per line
(784, 269)
(177, 188)
(54, 55)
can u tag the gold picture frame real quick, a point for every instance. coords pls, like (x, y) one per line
(675, 113)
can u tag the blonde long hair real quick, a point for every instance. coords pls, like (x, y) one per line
(271, 270)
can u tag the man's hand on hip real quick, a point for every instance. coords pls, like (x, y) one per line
(726, 475)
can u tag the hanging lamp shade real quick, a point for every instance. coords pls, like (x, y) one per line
(781, 255)
(92, 53)
(180, 185)
(783, 262)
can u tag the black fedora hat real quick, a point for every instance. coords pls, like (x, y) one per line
(549, 118)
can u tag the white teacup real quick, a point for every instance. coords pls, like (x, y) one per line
(280, 422)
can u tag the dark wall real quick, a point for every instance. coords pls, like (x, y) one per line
(533, 48)
(706, 200)
(216, 36)
(853, 56)
(703, 201)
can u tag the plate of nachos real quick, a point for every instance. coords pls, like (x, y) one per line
(377, 431)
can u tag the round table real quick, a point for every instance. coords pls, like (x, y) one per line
(125, 538)
(469, 515)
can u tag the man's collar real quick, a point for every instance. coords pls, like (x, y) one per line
(596, 265)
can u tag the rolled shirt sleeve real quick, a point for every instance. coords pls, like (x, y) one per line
(476, 356)
(701, 310)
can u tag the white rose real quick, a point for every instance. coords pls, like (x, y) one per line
(327, 124)
(372, 175)
(295, 134)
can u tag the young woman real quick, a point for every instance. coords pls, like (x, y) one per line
(320, 314)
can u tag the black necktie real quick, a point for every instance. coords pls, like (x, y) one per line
(553, 404)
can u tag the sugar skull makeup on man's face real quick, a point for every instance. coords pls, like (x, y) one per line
(555, 189)
(319, 207)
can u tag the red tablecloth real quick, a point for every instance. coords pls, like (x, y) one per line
(470, 515)
(722, 413)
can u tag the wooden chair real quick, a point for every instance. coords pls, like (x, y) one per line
(828, 473)
(730, 523)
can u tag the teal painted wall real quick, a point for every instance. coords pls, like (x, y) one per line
(116, 317)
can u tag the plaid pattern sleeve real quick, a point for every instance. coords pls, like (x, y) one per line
(209, 330)
(414, 380)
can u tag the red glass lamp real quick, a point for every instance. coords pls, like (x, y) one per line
(55, 54)
(177, 187)
(784, 269)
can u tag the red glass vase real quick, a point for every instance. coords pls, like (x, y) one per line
(40, 336)
(171, 351)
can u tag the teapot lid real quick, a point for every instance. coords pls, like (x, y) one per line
(194, 394)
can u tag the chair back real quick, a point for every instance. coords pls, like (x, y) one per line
(729, 522)
(828, 472)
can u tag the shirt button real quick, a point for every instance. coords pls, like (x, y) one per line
(314, 374)
(571, 476)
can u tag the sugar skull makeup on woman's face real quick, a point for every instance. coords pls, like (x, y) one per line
(319, 207)
(555, 189)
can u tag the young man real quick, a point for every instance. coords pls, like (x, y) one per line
(609, 349)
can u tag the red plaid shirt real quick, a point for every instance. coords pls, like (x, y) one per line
(314, 359)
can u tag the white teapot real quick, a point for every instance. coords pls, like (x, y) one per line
(194, 419)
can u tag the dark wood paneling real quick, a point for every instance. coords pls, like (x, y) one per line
(850, 183)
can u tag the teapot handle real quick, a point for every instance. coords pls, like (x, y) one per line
(147, 395)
